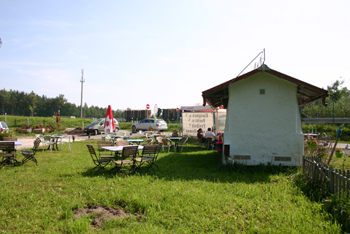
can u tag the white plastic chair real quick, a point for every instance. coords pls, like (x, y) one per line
(47, 141)
(63, 140)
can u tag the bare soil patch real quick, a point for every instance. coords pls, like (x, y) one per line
(76, 131)
(100, 214)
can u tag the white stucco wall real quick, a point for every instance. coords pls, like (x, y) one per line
(264, 126)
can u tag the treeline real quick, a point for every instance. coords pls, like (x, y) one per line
(31, 104)
(339, 97)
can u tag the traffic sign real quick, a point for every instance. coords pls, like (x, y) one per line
(147, 106)
(177, 109)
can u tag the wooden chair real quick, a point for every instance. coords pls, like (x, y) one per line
(127, 162)
(101, 144)
(8, 153)
(210, 143)
(100, 163)
(122, 142)
(159, 139)
(9, 139)
(166, 143)
(200, 142)
(148, 141)
(182, 143)
(194, 140)
(29, 155)
(148, 157)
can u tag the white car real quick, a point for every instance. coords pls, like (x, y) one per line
(160, 125)
(98, 126)
(4, 127)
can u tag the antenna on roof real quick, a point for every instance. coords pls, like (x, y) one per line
(260, 62)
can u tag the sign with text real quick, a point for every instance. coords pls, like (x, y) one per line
(220, 121)
(192, 121)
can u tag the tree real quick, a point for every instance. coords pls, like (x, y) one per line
(335, 93)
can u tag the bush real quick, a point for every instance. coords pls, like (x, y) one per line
(339, 208)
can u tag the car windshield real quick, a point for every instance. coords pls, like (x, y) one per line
(161, 121)
(4, 125)
(96, 121)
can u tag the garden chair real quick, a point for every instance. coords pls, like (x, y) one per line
(65, 140)
(100, 163)
(200, 142)
(194, 140)
(147, 141)
(210, 143)
(182, 143)
(9, 139)
(30, 154)
(127, 161)
(148, 157)
(230, 162)
(166, 143)
(8, 153)
(122, 142)
(48, 141)
(102, 151)
(159, 139)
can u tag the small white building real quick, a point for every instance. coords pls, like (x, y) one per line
(263, 123)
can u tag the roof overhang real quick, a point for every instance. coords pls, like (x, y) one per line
(206, 108)
(306, 93)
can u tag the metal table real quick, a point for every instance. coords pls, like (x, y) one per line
(176, 139)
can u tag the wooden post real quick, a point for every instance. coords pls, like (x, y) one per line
(330, 157)
(303, 163)
(348, 183)
(331, 178)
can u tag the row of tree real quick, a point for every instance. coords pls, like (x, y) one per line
(30, 104)
(338, 103)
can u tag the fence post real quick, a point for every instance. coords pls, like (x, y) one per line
(331, 177)
(303, 164)
(348, 183)
(313, 169)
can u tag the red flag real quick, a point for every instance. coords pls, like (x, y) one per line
(109, 123)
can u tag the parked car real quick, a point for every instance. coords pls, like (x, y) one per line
(97, 126)
(160, 125)
(4, 127)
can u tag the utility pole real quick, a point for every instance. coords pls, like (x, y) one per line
(81, 103)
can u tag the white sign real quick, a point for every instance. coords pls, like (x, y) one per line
(192, 121)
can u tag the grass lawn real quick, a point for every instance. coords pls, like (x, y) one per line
(191, 193)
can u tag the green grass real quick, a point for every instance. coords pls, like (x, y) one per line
(191, 193)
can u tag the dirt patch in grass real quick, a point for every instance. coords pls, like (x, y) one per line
(99, 214)
(77, 131)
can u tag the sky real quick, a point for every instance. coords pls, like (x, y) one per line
(166, 52)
